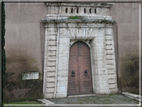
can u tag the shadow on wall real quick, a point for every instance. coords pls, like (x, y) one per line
(130, 73)
(15, 88)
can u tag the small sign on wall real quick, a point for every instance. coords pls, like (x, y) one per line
(30, 75)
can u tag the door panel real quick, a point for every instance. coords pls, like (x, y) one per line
(79, 61)
(83, 49)
(73, 50)
(74, 82)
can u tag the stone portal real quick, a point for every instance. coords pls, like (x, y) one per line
(90, 23)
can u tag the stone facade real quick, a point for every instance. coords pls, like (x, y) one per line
(25, 37)
(93, 26)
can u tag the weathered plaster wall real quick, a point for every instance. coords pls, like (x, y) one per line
(24, 43)
(127, 16)
(23, 49)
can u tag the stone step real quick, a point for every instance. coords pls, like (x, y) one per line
(85, 95)
(133, 96)
(47, 102)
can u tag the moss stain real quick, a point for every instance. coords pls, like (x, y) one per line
(74, 17)
(130, 73)
(30, 89)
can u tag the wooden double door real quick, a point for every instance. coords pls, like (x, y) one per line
(79, 76)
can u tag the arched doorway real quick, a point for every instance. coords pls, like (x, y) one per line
(79, 75)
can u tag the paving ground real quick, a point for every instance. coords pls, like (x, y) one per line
(98, 99)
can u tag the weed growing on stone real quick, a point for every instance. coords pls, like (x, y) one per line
(73, 17)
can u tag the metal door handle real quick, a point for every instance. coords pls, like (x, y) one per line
(85, 72)
(72, 73)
